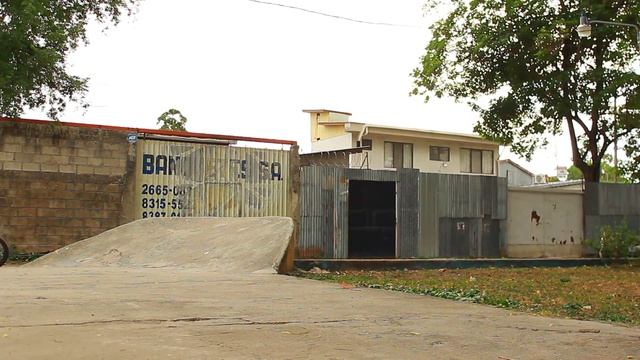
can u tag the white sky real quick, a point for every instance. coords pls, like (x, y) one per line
(242, 68)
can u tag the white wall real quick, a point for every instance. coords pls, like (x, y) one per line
(421, 153)
(554, 230)
(333, 143)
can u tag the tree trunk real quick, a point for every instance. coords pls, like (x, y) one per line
(591, 173)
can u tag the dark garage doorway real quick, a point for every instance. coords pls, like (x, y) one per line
(372, 219)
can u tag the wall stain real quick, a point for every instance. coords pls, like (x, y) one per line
(536, 217)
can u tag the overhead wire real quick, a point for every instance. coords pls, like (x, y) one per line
(331, 15)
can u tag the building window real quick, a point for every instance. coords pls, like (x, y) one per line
(398, 155)
(439, 153)
(476, 161)
(365, 143)
(487, 162)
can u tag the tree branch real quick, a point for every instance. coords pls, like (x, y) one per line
(605, 144)
(580, 122)
(578, 159)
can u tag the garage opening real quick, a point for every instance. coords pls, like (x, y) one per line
(372, 219)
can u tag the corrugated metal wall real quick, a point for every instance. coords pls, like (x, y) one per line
(609, 204)
(422, 200)
(323, 213)
(192, 179)
(408, 213)
(458, 197)
(324, 222)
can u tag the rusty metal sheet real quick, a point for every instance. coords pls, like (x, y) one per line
(194, 179)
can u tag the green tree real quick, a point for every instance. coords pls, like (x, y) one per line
(573, 173)
(172, 119)
(36, 36)
(523, 68)
(630, 167)
(608, 172)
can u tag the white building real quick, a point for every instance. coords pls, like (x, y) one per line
(390, 147)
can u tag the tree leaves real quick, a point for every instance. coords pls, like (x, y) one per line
(172, 119)
(524, 61)
(36, 36)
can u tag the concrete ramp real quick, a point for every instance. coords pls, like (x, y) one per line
(238, 245)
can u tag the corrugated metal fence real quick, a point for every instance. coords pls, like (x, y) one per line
(461, 205)
(191, 179)
(425, 204)
(324, 209)
(609, 204)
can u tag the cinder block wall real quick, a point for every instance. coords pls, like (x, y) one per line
(61, 184)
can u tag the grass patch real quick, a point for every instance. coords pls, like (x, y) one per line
(590, 293)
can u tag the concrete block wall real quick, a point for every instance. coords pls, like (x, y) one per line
(61, 184)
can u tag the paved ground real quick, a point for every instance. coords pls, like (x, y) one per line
(116, 313)
(90, 304)
(217, 244)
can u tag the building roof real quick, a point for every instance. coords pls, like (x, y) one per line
(358, 127)
(513, 163)
(568, 187)
(353, 150)
(557, 184)
(310, 111)
(412, 132)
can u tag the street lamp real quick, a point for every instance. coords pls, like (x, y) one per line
(584, 29)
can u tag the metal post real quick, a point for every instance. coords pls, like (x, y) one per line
(615, 138)
(293, 211)
(634, 26)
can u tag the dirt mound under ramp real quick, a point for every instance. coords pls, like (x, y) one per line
(219, 244)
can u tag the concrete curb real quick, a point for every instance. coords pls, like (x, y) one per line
(420, 264)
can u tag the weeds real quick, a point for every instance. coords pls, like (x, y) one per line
(597, 293)
(24, 257)
(616, 241)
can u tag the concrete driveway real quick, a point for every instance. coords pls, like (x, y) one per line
(117, 313)
(199, 288)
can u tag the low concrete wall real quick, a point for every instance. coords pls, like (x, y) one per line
(544, 223)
